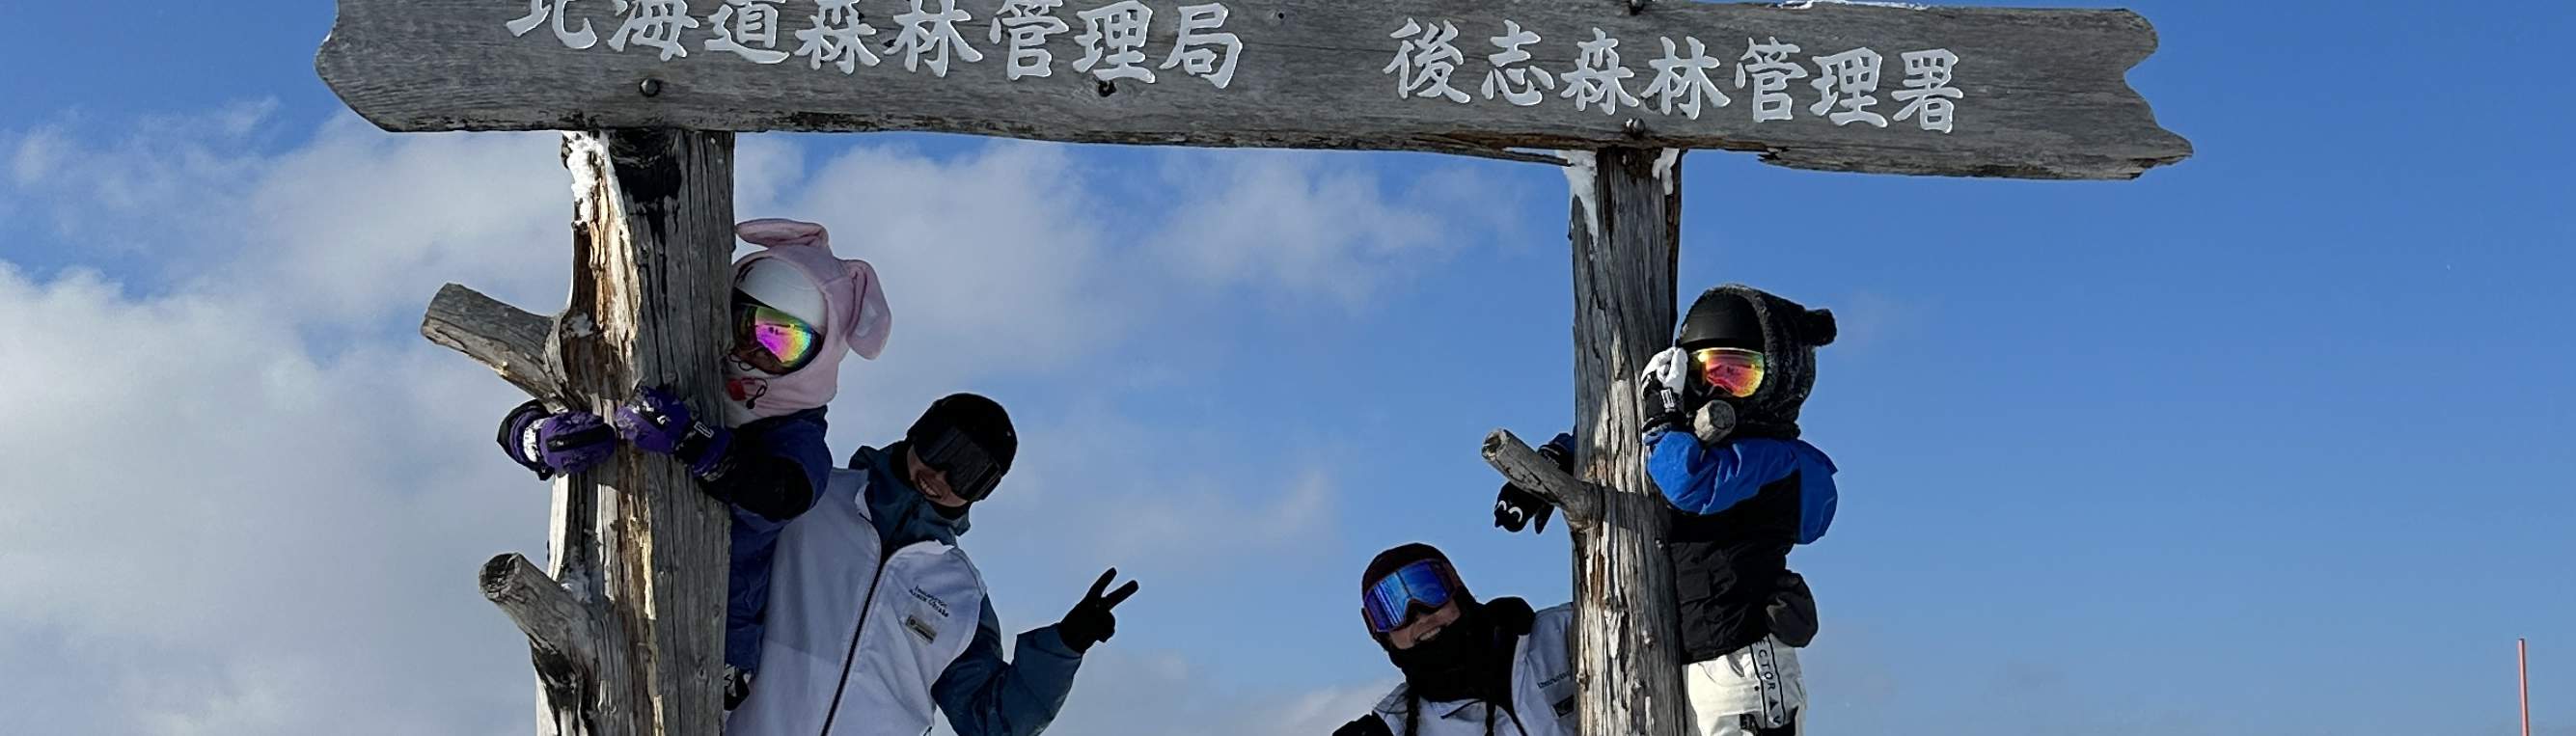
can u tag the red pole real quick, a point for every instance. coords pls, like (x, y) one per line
(2522, 663)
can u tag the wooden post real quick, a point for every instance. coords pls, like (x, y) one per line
(1627, 234)
(626, 624)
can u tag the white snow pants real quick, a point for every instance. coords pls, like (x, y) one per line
(1731, 695)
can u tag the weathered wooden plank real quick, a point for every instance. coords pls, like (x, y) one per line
(2042, 93)
(1524, 467)
(1627, 233)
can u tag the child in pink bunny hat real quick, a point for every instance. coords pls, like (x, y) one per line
(797, 309)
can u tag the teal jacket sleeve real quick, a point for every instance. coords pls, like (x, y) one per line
(986, 696)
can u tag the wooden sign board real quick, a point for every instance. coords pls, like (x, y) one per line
(1845, 87)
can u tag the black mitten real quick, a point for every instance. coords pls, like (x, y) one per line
(1516, 507)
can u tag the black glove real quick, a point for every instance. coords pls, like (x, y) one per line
(1090, 621)
(1660, 391)
(1367, 725)
(1516, 507)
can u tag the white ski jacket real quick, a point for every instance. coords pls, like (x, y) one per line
(1542, 690)
(855, 639)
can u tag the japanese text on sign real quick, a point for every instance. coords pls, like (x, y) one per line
(1428, 64)
(1846, 83)
(928, 35)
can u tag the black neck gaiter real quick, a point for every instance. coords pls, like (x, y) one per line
(1466, 661)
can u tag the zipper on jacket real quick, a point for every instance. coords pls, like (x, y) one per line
(842, 687)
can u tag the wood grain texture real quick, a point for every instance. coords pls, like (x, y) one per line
(1626, 231)
(2044, 91)
(507, 339)
(1524, 467)
(627, 629)
(653, 237)
(560, 628)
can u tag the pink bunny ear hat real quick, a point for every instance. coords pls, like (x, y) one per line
(858, 320)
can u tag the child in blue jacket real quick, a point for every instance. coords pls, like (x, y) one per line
(1721, 431)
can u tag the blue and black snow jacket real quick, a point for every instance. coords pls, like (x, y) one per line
(1738, 507)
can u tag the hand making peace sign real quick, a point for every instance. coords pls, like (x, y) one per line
(1090, 621)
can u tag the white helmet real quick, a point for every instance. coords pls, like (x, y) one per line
(785, 287)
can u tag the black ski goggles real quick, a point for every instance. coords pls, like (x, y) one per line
(971, 472)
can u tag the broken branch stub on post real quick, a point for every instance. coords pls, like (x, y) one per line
(558, 626)
(507, 339)
(1524, 467)
(2006, 92)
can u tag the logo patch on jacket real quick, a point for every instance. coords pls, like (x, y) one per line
(935, 603)
(918, 626)
(1561, 684)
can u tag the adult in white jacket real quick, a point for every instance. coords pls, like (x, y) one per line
(1470, 668)
(874, 617)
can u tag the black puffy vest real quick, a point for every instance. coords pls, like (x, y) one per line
(1728, 567)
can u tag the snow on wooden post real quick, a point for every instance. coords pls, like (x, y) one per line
(1624, 85)
(626, 626)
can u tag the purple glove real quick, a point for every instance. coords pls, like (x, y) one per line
(554, 444)
(658, 422)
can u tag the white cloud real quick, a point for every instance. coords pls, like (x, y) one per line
(992, 263)
(243, 538)
(244, 499)
(354, 227)
(1321, 223)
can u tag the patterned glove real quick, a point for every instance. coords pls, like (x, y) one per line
(554, 444)
(658, 422)
(1516, 507)
(1659, 390)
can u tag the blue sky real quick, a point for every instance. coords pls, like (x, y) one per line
(2275, 440)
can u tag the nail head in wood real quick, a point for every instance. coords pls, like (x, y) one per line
(651, 87)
